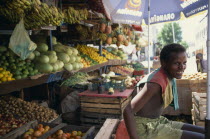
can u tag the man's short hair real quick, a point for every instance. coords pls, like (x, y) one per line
(167, 50)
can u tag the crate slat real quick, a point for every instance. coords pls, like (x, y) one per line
(98, 105)
(98, 110)
(100, 100)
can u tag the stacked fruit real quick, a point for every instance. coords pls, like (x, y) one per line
(15, 8)
(35, 13)
(27, 111)
(5, 76)
(85, 63)
(109, 55)
(92, 53)
(88, 60)
(73, 16)
(43, 15)
(37, 132)
(18, 68)
(61, 135)
(9, 123)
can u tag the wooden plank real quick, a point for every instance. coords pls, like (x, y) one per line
(99, 115)
(107, 129)
(125, 103)
(106, 111)
(200, 115)
(98, 105)
(100, 100)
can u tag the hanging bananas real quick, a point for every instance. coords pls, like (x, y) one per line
(73, 16)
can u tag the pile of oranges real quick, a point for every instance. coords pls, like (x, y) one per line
(5, 76)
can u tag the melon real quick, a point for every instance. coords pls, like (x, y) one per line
(78, 59)
(68, 66)
(43, 59)
(55, 66)
(69, 51)
(54, 40)
(42, 47)
(75, 51)
(63, 57)
(76, 66)
(72, 59)
(53, 58)
(44, 68)
(31, 56)
(37, 53)
(59, 48)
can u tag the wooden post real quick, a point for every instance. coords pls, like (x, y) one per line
(21, 94)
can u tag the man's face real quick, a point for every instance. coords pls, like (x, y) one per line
(176, 65)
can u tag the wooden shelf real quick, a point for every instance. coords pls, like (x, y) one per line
(17, 85)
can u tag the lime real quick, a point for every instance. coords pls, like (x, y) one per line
(24, 76)
(25, 72)
(17, 77)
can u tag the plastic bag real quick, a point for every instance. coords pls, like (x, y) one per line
(70, 103)
(20, 43)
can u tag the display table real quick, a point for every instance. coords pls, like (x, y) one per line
(96, 108)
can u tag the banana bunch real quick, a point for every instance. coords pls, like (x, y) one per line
(83, 31)
(13, 10)
(102, 36)
(73, 16)
(43, 15)
(10, 15)
(18, 6)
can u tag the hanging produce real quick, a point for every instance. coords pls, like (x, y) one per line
(73, 16)
(43, 15)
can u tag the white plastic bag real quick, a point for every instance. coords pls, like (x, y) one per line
(70, 103)
(20, 42)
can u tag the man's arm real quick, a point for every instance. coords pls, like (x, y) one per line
(137, 103)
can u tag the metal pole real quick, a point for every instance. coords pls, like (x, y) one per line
(149, 36)
(174, 39)
(207, 122)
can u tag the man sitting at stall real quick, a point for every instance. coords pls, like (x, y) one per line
(159, 91)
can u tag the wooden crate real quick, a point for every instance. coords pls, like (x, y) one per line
(196, 121)
(199, 105)
(194, 85)
(104, 105)
(202, 85)
(96, 108)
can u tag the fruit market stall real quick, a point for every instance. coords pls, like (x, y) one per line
(65, 47)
